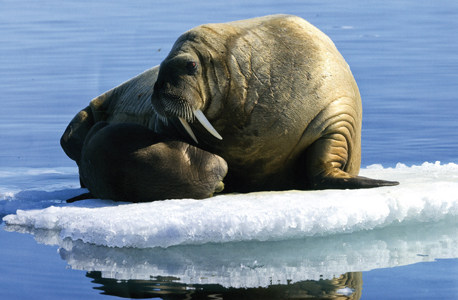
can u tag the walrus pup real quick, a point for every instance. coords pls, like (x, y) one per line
(279, 101)
(128, 162)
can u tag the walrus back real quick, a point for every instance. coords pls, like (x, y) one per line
(127, 103)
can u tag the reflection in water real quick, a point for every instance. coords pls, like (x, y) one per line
(278, 270)
(346, 286)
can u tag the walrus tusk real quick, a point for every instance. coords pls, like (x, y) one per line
(203, 120)
(188, 129)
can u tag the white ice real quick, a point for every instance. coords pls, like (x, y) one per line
(306, 234)
(426, 193)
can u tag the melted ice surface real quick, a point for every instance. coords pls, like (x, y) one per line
(427, 193)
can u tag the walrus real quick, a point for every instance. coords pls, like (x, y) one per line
(270, 95)
(279, 101)
(129, 162)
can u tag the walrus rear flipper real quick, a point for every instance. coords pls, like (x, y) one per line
(358, 182)
(80, 197)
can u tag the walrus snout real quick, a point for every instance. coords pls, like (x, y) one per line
(170, 99)
(169, 105)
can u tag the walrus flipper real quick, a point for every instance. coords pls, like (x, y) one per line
(330, 163)
(80, 197)
(357, 182)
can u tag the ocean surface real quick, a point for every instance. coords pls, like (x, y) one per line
(389, 243)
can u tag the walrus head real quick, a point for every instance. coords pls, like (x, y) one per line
(188, 82)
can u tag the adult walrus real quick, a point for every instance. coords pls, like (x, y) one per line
(285, 108)
(276, 99)
(129, 162)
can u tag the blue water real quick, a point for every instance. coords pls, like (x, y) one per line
(57, 55)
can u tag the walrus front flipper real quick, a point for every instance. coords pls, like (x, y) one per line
(358, 182)
(80, 197)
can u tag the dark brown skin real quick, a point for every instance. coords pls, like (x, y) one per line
(128, 162)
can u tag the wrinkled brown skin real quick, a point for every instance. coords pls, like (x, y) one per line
(275, 88)
(281, 96)
(129, 162)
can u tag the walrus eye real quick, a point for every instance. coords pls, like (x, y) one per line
(191, 67)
